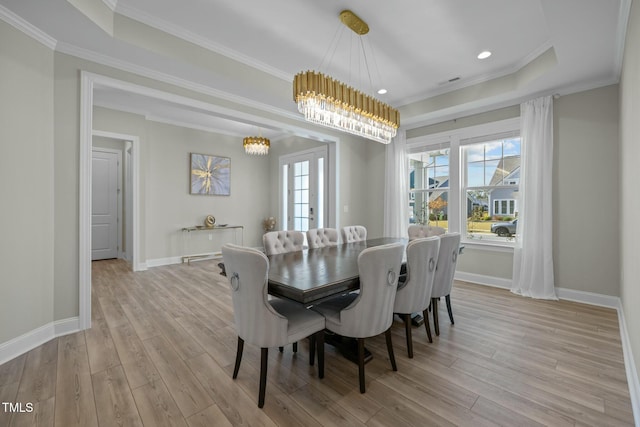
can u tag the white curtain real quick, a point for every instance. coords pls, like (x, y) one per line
(533, 256)
(396, 190)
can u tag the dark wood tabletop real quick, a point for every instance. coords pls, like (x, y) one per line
(310, 275)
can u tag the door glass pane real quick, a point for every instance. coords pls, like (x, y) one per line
(320, 203)
(301, 195)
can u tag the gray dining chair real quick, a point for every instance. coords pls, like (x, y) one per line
(445, 270)
(279, 242)
(414, 295)
(353, 233)
(417, 231)
(321, 237)
(370, 312)
(263, 322)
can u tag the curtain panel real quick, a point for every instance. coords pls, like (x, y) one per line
(396, 190)
(533, 252)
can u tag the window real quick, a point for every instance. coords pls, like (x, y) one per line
(467, 181)
(504, 207)
(491, 171)
(429, 187)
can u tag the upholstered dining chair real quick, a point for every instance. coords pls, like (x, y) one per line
(321, 237)
(369, 312)
(445, 269)
(414, 295)
(353, 233)
(417, 231)
(279, 242)
(262, 322)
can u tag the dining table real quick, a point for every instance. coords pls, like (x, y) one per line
(312, 275)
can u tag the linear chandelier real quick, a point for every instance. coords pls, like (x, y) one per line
(329, 102)
(256, 145)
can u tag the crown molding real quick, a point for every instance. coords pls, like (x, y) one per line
(111, 4)
(203, 42)
(623, 22)
(184, 124)
(109, 61)
(31, 30)
(464, 83)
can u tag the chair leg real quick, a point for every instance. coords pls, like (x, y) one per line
(407, 328)
(312, 349)
(361, 363)
(238, 357)
(392, 358)
(448, 300)
(264, 357)
(320, 348)
(425, 314)
(295, 347)
(434, 308)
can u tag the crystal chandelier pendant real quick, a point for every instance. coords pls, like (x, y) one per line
(328, 102)
(256, 145)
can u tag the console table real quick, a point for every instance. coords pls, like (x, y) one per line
(189, 232)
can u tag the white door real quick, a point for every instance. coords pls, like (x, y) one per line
(104, 205)
(305, 190)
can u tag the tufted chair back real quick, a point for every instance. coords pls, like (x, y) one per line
(353, 233)
(415, 295)
(417, 231)
(446, 266)
(422, 257)
(371, 313)
(280, 242)
(256, 321)
(321, 237)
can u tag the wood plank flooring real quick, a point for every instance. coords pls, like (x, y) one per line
(162, 346)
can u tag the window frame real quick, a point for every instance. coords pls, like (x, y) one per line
(455, 139)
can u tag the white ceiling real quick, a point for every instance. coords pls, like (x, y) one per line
(248, 51)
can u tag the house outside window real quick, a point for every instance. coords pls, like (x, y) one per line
(467, 180)
(429, 187)
(491, 172)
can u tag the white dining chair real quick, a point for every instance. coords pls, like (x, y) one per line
(353, 233)
(369, 312)
(417, 231)
(414, 295)
(321, 237)
(263, 322)
(279, 242)
(445, 270)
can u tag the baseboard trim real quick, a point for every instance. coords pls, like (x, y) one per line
(17, 346)
(590, 298)
(480, 279)
(159, 262)
(629, 365)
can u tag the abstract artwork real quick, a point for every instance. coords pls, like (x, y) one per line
(210, 175)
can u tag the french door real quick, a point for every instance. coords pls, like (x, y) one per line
(304, 189)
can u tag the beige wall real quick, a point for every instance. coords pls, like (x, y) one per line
(585, 196)
(168, 204)
(26, 187)
(585, 191)
(629, 178)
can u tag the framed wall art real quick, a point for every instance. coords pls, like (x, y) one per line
(210, 175)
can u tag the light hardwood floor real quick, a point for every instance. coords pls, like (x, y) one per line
(162, 346)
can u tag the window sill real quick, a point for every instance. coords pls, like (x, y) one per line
(486, 246)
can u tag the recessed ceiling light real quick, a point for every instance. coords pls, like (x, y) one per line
(382, 91)
(484, 54)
